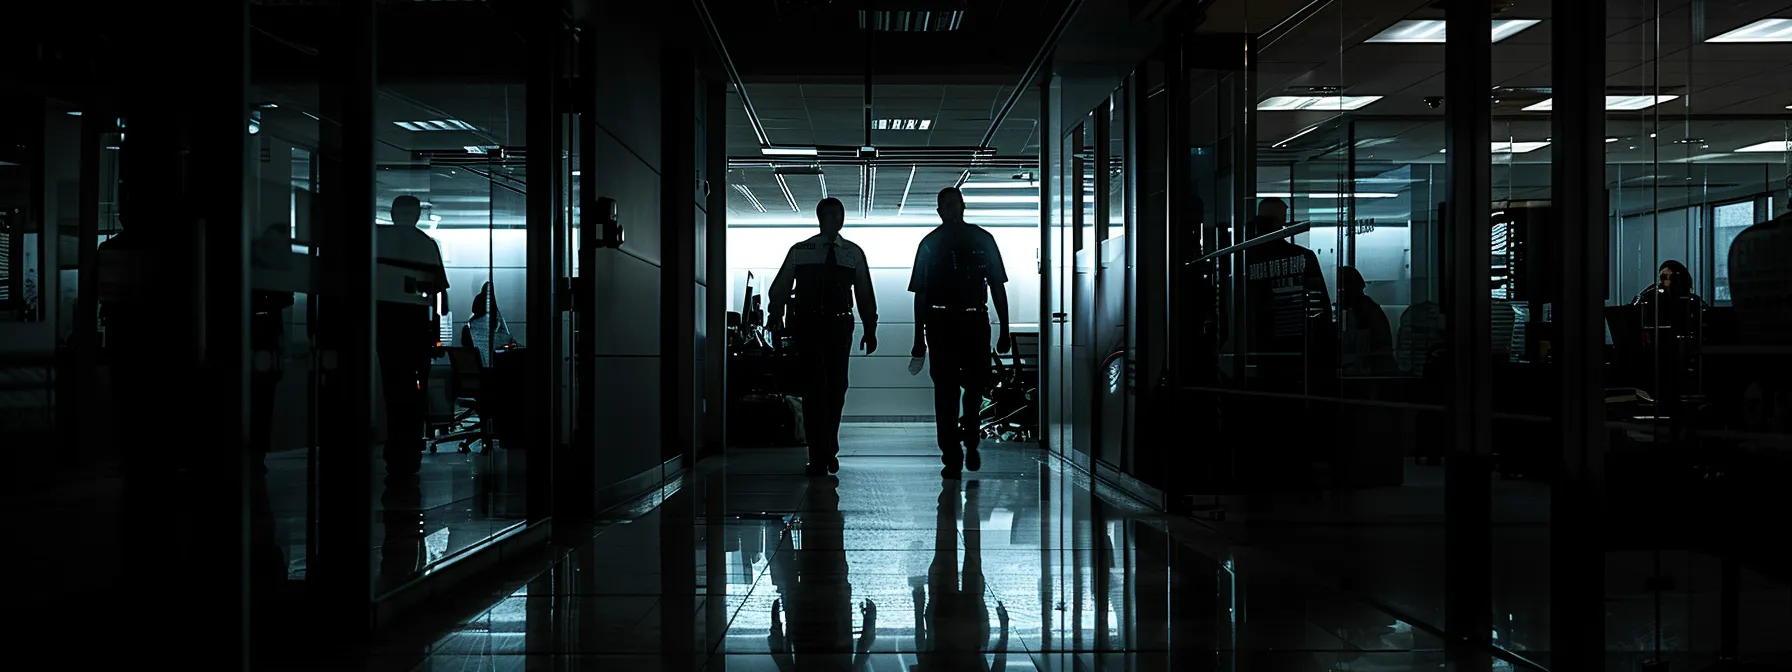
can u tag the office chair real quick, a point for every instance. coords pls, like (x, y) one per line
(465, 377)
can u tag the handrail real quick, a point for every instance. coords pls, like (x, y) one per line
(1285, 232)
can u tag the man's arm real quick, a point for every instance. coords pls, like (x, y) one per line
(917, 283)
(779, 294)
(997, 274)
(866, 296)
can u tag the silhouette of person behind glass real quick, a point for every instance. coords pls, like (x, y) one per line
(952, 629)
(407, 333)
(486, 330)
(812, 620)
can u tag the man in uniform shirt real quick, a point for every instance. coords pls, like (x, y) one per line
(829, 272)
(958, 271)
(407, 330)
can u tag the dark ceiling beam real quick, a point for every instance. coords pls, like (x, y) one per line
(1034, 67)
(959, 72)
(713, 33)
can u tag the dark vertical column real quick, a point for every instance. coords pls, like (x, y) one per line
(1176, 200)
(577, 474)
(1130, 167)
(716, 273)
(188, 159)
(1577, 554)
(340, 567)
(80, 437)
(678, 252)
(546, 268)
(1050, 145)
(1102, 131)
(217, 168)
(1467, 541)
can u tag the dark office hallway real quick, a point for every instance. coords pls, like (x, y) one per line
(1080, 577)
(1143, 335)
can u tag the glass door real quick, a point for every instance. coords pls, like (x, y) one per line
(1083, 377)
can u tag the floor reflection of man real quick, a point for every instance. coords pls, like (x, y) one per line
(814, 630)
(402, 551)
(952, 629)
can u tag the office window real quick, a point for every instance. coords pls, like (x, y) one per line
(1727, 221)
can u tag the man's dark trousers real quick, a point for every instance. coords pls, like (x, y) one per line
(960, 365)
(405, 347)
(823, 346)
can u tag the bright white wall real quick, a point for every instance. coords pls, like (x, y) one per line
(881, 386)
(476, 256)
(1383, 256)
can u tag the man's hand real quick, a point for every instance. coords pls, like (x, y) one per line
(1004, 341)
(869, 342)
(916, 358)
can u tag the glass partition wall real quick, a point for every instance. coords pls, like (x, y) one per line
(1354, 333)
(452, 166)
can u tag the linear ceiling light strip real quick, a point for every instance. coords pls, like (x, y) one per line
(785, 187)
(905, 189)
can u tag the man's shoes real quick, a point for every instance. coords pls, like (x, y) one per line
(971, 436)
(972, 461)
(951, 473)
(833, 465)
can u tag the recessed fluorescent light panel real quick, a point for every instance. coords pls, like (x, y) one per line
(1765, 30)
(908, 21)
(1431, 31)
(751, 199)
(902, 124)
(1330, 196)
(435, 125)
(1513, 147)
(1517, 147)
(1612, 103)
(787, 151)
(1769, 146)
(1000, 198)
(1319, 103)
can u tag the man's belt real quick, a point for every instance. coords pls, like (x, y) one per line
(808, 316)
(949, 309)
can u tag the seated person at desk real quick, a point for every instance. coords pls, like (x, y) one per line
(486, 330)
(1670, 314)
(1670, 302)
(1368, 341)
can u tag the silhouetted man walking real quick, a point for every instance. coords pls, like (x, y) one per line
(958, 272)
(829, 272)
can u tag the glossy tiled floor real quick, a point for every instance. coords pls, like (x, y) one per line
(748, 566)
